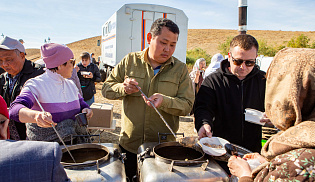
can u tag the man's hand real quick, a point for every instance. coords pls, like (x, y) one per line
(129, 86)
(205, 131)
(44, 119)
(156, 99)
(4, 130)
(89, 113)
(239, 167)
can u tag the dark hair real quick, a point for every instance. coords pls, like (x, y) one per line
(56, 68)
(85, 55)
(158, 24)
(244, 41)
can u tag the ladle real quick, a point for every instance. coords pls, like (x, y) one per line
(157, 111)
(82, 120)
(189, 141)
(53, 127)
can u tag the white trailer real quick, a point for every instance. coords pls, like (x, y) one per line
(126, 31)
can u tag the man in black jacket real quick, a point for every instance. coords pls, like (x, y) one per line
(18, 71)
(225, 94)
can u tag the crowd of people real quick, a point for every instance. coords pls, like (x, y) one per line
(40, 97)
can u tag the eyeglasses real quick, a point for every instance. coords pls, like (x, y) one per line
(239, 62)
(72, 61)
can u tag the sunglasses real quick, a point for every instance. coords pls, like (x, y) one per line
(239, 62)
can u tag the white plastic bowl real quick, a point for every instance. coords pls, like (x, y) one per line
(216, 141)
(254, 116)
(85, 73)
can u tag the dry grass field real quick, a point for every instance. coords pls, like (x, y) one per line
(207, 39)
(210, 39)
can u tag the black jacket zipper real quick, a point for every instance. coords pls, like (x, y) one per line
(242, 108)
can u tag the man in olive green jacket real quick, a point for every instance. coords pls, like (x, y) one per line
(163, 78)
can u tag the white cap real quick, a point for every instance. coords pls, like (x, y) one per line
(11, 44)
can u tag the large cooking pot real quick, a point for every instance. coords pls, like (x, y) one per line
(176, 153)
(85, 155)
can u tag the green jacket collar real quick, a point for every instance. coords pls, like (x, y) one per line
(144, 56)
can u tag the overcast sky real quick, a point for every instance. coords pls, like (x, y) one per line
(66, 21)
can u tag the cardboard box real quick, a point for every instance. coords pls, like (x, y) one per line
(102, 116)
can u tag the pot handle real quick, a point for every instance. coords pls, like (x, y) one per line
(143, 155)
(203, 166)
(121, 156)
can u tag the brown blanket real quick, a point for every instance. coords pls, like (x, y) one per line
(290, 102)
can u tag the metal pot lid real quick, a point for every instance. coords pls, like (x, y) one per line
(85, 155)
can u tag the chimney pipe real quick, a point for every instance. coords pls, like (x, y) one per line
(242, 16)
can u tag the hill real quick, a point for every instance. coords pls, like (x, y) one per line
(207, 39)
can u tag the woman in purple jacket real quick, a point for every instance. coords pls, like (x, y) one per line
(58, 96)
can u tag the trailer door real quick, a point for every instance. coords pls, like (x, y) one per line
(141, 25)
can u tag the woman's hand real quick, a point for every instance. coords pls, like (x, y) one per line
(197, 76)
(44, 119)
(267, 121)
(255, 156)
(239, 167)
(76, 68)
(89, 113)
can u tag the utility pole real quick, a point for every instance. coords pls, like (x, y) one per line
(242, 16)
